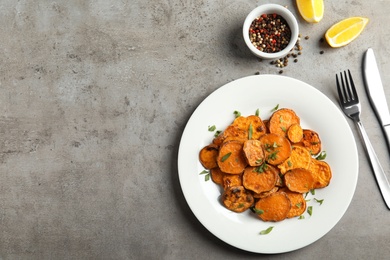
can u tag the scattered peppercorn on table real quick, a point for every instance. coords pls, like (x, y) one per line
(96, 97)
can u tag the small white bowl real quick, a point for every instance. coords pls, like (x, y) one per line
(271, 9)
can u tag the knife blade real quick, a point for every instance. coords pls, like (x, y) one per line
(375, 92)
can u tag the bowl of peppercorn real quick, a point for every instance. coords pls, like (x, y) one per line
(270, 31)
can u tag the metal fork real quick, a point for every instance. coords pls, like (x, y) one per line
(349, 102)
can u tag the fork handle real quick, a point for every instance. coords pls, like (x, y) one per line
(380, 175)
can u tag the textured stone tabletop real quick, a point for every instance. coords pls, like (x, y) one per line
(94, 97)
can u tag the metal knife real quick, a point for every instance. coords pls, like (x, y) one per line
(376, 93)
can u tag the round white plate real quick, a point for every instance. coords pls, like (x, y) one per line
(317, 112)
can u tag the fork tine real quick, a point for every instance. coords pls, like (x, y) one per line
(341, 97)
(352, 85)
(346, 90)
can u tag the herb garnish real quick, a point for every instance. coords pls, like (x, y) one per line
(250, 131)
(237, 113)
(261, 168)
(241, 205)
(319, 201)
(275, 108)
(257, 211)
(224, 158)
(207, 175)
(271, 147)
(266, 231)
(273, 155)
(321, 156)
(310, 210)
(257, 113)
(212, 128)
(259, 161)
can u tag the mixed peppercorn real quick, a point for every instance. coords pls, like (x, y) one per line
(270, 33)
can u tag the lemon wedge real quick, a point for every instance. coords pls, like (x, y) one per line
(311, 10)
(345, 31)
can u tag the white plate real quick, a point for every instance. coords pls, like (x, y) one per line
(317, 112)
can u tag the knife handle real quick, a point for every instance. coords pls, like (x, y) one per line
(380, 175)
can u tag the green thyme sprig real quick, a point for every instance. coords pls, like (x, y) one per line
(206, 175)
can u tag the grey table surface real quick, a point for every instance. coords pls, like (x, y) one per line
(95, 96)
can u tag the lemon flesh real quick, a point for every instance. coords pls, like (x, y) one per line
(311, 11)
(345, 31)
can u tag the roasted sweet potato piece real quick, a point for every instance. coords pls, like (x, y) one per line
(298, 203)
(279, 181)
(232, 132)
(230, 180)
(253, 152)
(295, 133)
(275, 207)
(208, 156)
(276, 148)
(252, 124)
(299, 180)
(281, 167)
(281, 120)
(321, 172)
(217, 175)
(242, 129)
(231, 158)
(237, 199)
(266, 123)
(299, 158)
(265, 194)
(311, 140)
(257, 181)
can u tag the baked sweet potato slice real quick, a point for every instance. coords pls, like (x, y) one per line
(322, 173)
(230, 180)
(265, 193)
(259, 182)
(217, 175)
(208, 156)
(275, 207)
(237, 199)
(299, 180)
(295, 133)
(231, 158)
(311, 140)
(252, 124)
(299, 158)
(276, 148)
(253, 152)
(266, 123)
(298, 203)
(232, 132)
(281, 120)
(279, 182)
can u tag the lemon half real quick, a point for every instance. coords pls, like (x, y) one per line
(345, 31)
(311, 10)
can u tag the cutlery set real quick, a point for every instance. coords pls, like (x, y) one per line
(349, 102)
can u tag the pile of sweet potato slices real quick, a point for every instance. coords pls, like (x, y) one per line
(266, 166)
